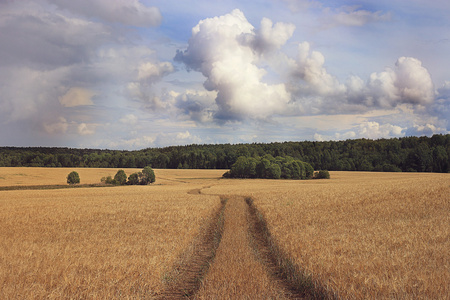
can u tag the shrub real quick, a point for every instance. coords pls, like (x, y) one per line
(148, 176)
(322, 174)
(120, 177)
(227, 174)
(133, 179)
(73, 178)
(109, 180)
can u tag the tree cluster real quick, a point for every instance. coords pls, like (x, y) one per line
(146, 176)
(408, 154)
(270, 168)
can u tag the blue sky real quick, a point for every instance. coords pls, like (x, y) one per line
(130, 74)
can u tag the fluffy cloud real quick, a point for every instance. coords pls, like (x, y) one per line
(268, 37)
(367, 129)
(76, 97)
(315, 79)
(224, 50)
(149, 71)
(375, 130)
(409, 82)
(85, 129)
(230, 53)
(317, 91)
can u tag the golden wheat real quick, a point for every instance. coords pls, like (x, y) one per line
(116, 242)
(364, 235)
(56, 176)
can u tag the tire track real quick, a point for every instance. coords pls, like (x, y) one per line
(236, 273)
(185, 278)
(279, 266)
(282, 278)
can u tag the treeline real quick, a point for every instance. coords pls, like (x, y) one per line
(408, 154)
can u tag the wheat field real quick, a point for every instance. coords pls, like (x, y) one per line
(112, 242)
(360, 235)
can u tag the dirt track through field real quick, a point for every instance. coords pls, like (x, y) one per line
(185, 279)
(237, 258)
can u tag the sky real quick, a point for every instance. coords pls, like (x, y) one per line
(134, 74)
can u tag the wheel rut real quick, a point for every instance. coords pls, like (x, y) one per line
(185, 278)
(236, 257)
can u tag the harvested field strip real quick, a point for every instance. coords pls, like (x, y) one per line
(280, 267)
(185, 278)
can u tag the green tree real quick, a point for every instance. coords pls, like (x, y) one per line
(309, 171)
(262, 168)
(440, 161)
(73, 178)
(148, 176)
(274, 171)
(133, 179)
(120, 177)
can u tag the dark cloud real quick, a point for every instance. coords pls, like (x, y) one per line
(44, 40)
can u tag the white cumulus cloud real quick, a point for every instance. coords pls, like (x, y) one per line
(217, 49)
(375, 130)
(409, 82)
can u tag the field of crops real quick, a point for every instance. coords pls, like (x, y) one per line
(358, 235)
(93, 243)
(361, 235)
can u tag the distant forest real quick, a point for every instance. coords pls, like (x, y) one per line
(407, 154)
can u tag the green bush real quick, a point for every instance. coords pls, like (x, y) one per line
(322, 174)
(145, 177)
(148, 176)
(120, 178)
(73, 178)
(133, 179)
(108, 180)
